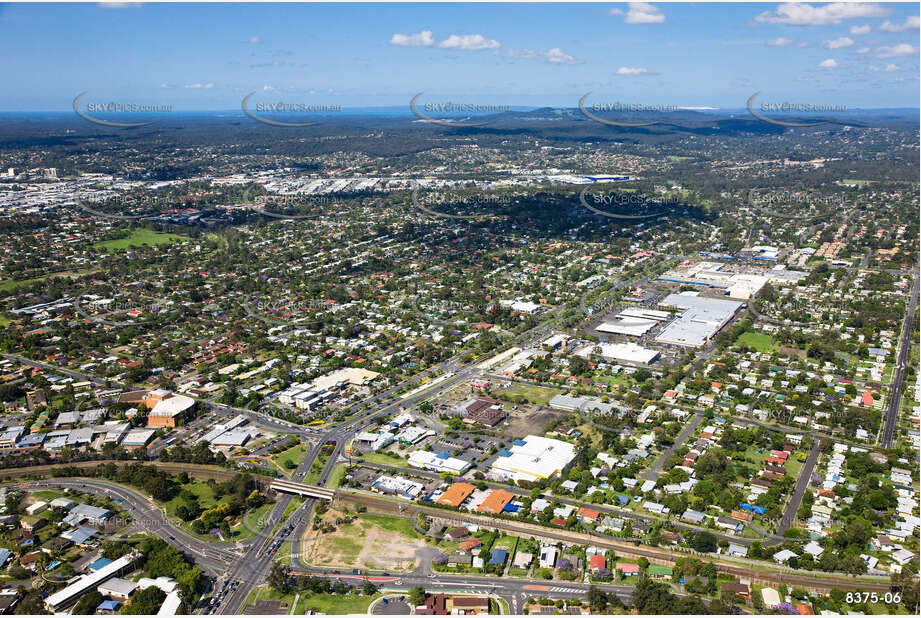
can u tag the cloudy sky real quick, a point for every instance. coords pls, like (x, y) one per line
(208, 56)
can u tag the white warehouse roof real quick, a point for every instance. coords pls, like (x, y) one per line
(534, 458)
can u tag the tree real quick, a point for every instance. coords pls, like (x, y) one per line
(31, 603)
(651, 597)
(704, 542)
(905, 582)
(88, 603)
(416, 596)
(278, 578)
(146, 601)
(597, 599)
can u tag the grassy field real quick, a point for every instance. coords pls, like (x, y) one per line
(47, 494)
(295, 502)
(617, 380)
(851, 182)
(538, 395)
(294, 455)
(316, 468)
(392, 524)
(506, 542)
(138, 238)
(266, 593)
(594, 435)
(284, 553)
(757, 341)
(201, 490)
(350, 543)
(8, 285)
(381, 458)
(335, 603)
(336, 476)
(253, 523)
(793, 466)
(207, 500)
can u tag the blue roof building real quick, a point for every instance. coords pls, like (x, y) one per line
(498, 556)
(108, 606)
(31, 440)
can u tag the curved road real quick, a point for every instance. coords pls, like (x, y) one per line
(149, 516)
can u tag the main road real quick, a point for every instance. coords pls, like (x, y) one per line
(898, 378)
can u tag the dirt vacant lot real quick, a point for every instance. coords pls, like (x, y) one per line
(371, 542)
(525, 421)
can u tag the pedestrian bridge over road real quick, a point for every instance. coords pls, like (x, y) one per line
(310, 491)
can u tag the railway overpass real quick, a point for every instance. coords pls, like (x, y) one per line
(310, 491)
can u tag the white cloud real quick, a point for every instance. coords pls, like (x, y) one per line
(642, 13)
(863, 50)
(207, 86)
(558, 56)
(865, 29)
(902, 49)
(632, 71)
(615, 12)
(469, 42)
(423, 39)
(554, 56)
(267, 88)
(780, 42)
(912, 22)
(841, 41)
(253, 40)
(889, 68)
(797, 14)
(802, 44)
(828, 64)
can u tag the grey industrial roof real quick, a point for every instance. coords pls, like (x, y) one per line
(701, 319)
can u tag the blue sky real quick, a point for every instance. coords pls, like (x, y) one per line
(208, 56)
